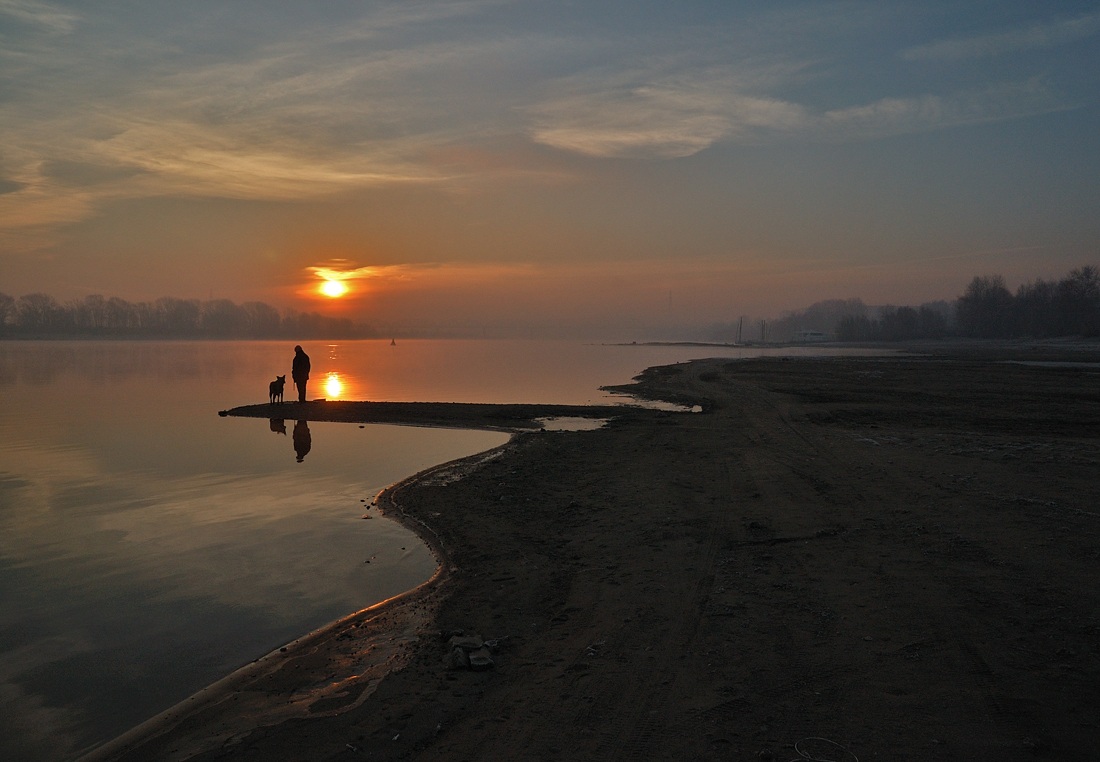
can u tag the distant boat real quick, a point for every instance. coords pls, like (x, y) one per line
(393, 342)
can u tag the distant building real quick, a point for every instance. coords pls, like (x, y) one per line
(809, 336)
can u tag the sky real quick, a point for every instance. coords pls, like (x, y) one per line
(489, 167)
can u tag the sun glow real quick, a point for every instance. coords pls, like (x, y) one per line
(337, 278)
(333, 289)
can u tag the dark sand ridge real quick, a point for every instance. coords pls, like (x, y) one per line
(897, 556)
(467, 415)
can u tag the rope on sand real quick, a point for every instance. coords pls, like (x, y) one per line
(809, 748)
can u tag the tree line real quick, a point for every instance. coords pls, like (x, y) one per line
(41, 316)
(1068, 307)
(988, 310)
(897, 324)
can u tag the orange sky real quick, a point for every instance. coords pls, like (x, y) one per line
(502, 167)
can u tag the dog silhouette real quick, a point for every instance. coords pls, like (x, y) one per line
(275, 389)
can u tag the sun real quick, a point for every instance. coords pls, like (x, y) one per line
(333, 289)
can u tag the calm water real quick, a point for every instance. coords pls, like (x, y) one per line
(149, 547)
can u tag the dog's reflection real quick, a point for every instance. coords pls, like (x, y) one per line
(278, 425)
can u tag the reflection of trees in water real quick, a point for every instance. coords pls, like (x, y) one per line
(43, 362)
(39, 314)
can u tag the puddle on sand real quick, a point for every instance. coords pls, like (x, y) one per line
(577, 423)
(627, 400)
(572, 424)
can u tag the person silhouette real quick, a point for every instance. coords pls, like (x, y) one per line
(299, 371)
(302, 439)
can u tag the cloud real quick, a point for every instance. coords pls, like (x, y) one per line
(681, 105)
(343, 269)
(633, 124)
(79, 173)
(668, 118)
(42, 15)
(419, 13)
(1034, 37)
(185, 158)
(897, 116)
(40, 205)
(290, 120)
(315, 102)
(663, 121)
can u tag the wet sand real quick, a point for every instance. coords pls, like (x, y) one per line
(840, 558)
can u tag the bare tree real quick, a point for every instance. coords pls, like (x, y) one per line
(37, 312)
(1078, 300)
(7, 310)
(985, 310)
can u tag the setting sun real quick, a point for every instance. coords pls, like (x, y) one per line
(333, 288)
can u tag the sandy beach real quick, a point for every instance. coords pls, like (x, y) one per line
(844, 559)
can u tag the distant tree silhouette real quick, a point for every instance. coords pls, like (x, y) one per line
(121, 314)
(1036, 309)
(221, 318)
(179, 317)
(1078, 299)
(38, 312)
(1069, 307)
(820, 316)
(857, 328)
(260, 319)
(985, 309)
(7, 311)
(929, 321)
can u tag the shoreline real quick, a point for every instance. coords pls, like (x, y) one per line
(396, 620)
(846, 549)
(406, 614)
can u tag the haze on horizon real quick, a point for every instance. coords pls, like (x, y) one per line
(492, 165)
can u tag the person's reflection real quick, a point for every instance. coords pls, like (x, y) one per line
(302, 441)
(278, 425)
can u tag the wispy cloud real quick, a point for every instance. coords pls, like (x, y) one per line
(417, 13)
(411, 92)
(754, 92)
(1032, 37)
(192, 159)
(663, 121)
(40, 14)
(669, 116)
(654, 121)
(898, 116)
(298, 117)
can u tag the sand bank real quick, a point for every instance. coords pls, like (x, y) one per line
(466, 415)
(897, 556)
